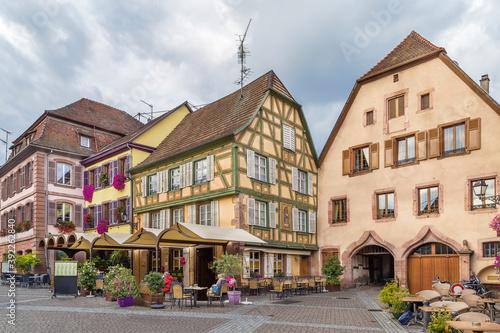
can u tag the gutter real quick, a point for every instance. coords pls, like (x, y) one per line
(47, 207)
(131, 207)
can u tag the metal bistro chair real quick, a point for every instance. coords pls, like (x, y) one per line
(312, 284)
(253, 285)
(178, 294)
(277, 288)
(99, 287)
(220, 297)
(471, 301)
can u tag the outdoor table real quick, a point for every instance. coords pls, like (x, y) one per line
(467, 326)
(194, 290)
(490, 303)
(414, 300)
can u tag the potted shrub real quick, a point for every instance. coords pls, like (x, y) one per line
(438, 321)
(151, 292)
(391, 296)
(108, 277)
(332, 269)
(24, 262)
(230, 265)
(124, 288)
(87, 274)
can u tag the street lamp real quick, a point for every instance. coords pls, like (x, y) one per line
(480, 187)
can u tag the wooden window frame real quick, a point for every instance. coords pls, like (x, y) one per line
(203, 170)
(177, 210)
(105, 211)
(375, 202)
(367, 117)
(496, 249)
(406, 161)
(155, 216)
(258, 165)
(398, 111)
(64, 164)
(82, 137)
(431, 210)
(208, 221)
(252, 260)
(301, 181)
(276, 263)
(420, 95)
(152, 185)
(302, 222)
(332, 220)
(63, 210)
(484, 205)
(260, 206)
(175, 185)
(386, 214)
(455, 151)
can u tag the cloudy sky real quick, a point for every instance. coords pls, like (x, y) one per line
(54, 52)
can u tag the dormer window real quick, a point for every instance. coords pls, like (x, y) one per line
(84, 141)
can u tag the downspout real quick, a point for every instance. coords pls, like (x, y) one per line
(131, 213)
(47, 208)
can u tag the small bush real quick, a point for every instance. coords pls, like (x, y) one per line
(391, 295)
(438, 321)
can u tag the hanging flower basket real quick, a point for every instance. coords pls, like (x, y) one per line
(119, 182)
(88, 193)
(495, 224)
(102, 227)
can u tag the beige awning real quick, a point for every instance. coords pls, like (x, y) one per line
(279, 251)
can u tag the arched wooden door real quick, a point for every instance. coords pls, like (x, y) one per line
(429, 260)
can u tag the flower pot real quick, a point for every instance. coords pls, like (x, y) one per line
(110, 298)
(83, 293)
(148, 299)
(333, 287)
(125, 301)
(498, 233)
(234, 297)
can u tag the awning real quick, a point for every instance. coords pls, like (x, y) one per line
(278, 251)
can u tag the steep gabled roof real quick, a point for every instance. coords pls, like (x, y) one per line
(217, 120)
(411, 48)
(91, 113)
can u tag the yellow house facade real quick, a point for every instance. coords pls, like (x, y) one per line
(245, 161)
(110, 199)
(397, 173)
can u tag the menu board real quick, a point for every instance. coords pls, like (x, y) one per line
(66, 268)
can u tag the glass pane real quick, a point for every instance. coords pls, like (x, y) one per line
(460, 137)
(434, 202)
(424, 249)
(366, 157)
(411, 147)
(381, 205)
(390, 203)
(423, 200)
(448, 139)
(401, 150)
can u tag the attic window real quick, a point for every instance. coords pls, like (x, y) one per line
(395, 78)
(85, 141)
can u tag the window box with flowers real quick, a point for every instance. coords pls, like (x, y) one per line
(88, 192)
(495, 224)
(102, 227)
(279, 274)
(65, 227)
(119, 182)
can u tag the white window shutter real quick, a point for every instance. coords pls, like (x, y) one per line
(182, 175)
(210, 167)
(272, 215)
(288, 265)
(192, 214)
(159, 182)
(295, 179)
(251, 211)
(215, 213)
(145, 223)
(162, 219)
(167, 218)
(272, 170)
(165, 181)
(246, 263)
(312, 222)
(295, 219)
(143, 185)
(189, 173)
(310, 190)
(289, 137)
(250, 163)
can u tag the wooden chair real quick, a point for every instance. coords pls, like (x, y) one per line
(312, 284)
(471, 316)
(211, 296)
(277, 288)
(178, 294)
(471, 301)
(322, 281)
(444, 290)
(253, 285)
(305, 285)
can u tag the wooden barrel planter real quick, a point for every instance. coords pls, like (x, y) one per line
(148, 299)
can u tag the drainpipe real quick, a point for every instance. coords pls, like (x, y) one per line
(47, 208)
(131, 214)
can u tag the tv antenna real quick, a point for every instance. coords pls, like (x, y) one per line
(242, 53)
(6, 141)
(151, 106)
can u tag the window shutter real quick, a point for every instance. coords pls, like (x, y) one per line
(392, 108)
(23, 176)
(374, 156)
(162, 219)
(215, 212)
(85, 212)
(165, 181)
(52, 172)
(272, 170)
(113, 170)
(251, 211)
(52, 212)
(85, 178)
(272, 215)
(312, 222)
(295, 219)
(128, 211)
(288, 137)
(159, 181)
(210, 167)
(78, 216)
(127, 164)
(310, 185)
(189, 174)
(250, 163)
(30, 173)
(401, 106)
(78, 176)
(474, 131)
(14, 183)
(295, 179)
(98, 209)
(192, 214)
(167, 218)
(288, 265)
(421, 145)
(433, 135)
(182, 176)
(389, 156)
(145, 223)
(143, 186)
(346, 162)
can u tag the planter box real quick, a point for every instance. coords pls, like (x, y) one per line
(234, 297)
(148, 299)
(125, 301)
(333, 287)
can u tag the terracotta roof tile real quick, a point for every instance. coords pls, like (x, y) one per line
(216, 120)
(412, 47)
(97, 114)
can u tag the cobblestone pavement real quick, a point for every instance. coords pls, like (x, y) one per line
(349, 311)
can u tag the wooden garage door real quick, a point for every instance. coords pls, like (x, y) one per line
(423, 266)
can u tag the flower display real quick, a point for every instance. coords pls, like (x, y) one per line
(118, 213)
(20, 227)
(119, 182)
(87, 274)
(88, 192)
(495, 223)
(65, 226)
(230, 281)
(122, 284)
(496, 264)
(102, 227)
(255, 275)
(279, 273)
(183, 261)
(89, 220)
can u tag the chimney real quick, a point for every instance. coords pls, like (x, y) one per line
(485, 83)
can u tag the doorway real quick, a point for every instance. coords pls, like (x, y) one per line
(204, 276)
